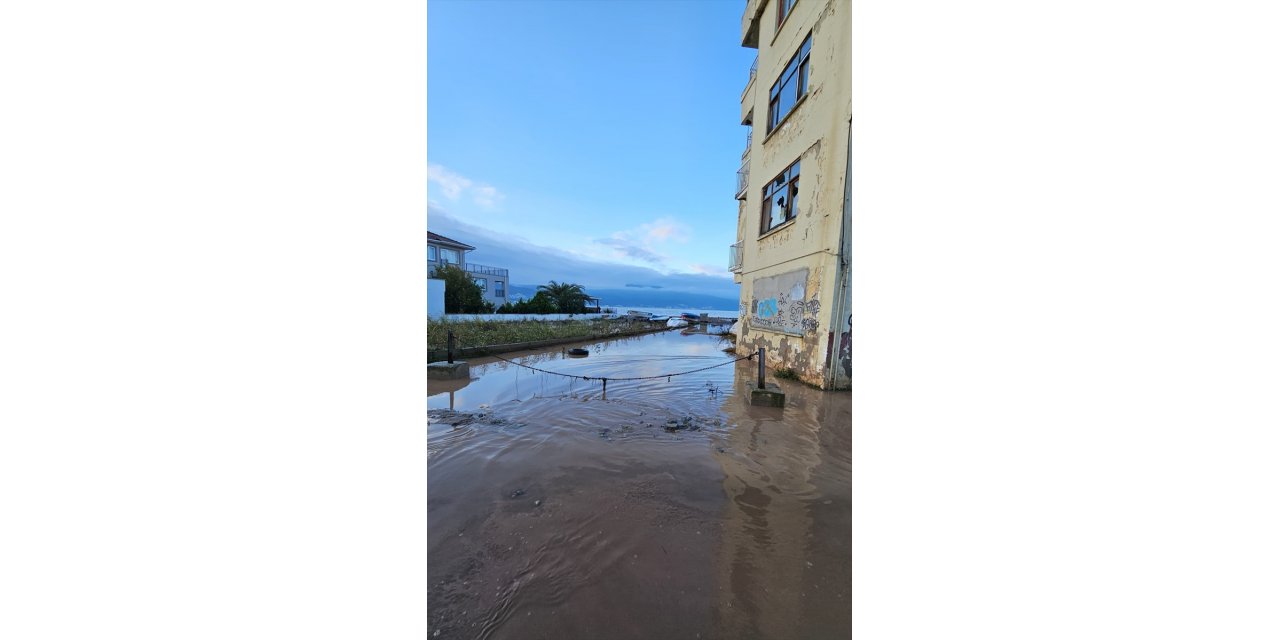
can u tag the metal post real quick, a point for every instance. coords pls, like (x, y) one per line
(451, 346)
(760, 375)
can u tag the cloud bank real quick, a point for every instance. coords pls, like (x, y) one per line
(534, 264)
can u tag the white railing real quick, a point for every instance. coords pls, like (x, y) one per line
(735, 257)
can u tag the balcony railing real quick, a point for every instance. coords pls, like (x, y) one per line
(743, 175)
(472, 268)
(735, 257)
(481, 269)
(750, 77)
(747, 151)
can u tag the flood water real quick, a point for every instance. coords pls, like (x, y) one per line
(654, 509)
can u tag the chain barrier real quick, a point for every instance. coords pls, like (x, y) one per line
(668, 376)
(606, 379)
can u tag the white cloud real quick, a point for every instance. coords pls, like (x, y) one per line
(708, 270)
(664, 229)
(454, 186)
(643, 242)
(451, 183)
(486, 196)
(594, 266)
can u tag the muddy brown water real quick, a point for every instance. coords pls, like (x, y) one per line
(660, 509)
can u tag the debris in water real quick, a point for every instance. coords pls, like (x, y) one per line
(517, 493)
(537, 503)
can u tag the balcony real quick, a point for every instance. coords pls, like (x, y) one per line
(743, 175)
(735, 257)
(751, 23)
(748, 97)
(470, 268)
(483, 270)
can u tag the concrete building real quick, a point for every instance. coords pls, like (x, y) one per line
(493, 281)
(792, 254)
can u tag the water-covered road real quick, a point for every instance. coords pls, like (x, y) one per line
(662, 509)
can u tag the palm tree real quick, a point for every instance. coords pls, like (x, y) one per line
(570, 298)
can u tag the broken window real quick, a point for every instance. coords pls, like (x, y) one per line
(790, 87)
(779, 201)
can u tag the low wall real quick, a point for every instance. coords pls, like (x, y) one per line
(512, 317)
(434, 355)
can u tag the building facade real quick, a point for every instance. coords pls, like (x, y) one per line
(493, 281)
(792, 253)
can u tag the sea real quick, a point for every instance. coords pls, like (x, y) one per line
(673, 311)
(617, 310)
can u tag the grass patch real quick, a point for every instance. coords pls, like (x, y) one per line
(484, 333)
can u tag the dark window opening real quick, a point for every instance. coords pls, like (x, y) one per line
(778, 204)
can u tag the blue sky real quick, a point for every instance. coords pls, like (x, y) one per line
(604, 129)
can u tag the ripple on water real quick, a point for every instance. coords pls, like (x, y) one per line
(655, 509)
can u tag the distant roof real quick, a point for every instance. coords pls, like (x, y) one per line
(443, 240)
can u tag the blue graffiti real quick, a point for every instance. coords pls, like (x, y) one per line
(768, 308)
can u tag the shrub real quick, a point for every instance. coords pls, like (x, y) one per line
(461, 293)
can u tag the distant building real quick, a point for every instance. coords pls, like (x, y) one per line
(792, 253)
(493, 281)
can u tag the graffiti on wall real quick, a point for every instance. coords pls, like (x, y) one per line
(778, 304)
(846, 350)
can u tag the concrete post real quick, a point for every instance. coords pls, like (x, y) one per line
(449, 370)
(770, 395)
(760, 365)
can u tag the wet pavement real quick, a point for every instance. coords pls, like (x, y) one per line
(660, 509)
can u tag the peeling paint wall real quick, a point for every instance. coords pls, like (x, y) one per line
(816, 133)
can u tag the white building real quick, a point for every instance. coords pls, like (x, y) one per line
(493, 281)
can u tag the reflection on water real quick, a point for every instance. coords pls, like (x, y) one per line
(666, 509)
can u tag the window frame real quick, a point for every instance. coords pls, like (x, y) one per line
(483, 283)
(499, 289)
(784, 10)
(457, 255)
(789, 182)
(433, 254)
(797, 69)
